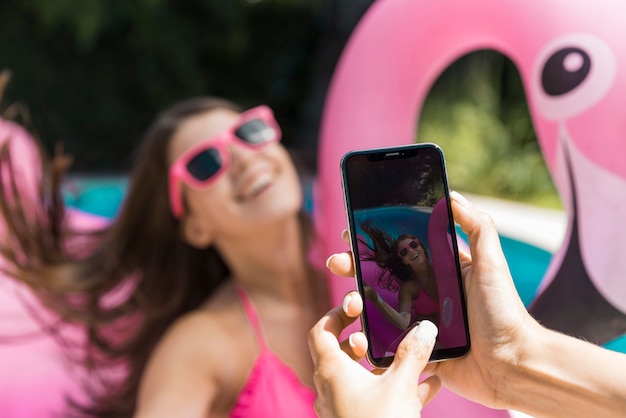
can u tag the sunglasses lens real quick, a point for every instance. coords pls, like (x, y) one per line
(404, 251)
(205, 164)
(255, 132)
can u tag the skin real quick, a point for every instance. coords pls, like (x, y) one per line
(514, 363)
(417, 259)
(423, 278)
(250, 216)
(398, 393)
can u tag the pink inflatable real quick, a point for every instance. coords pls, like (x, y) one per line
(571, 55)
(35, 375)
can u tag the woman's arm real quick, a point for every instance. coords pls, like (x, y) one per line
(399, 319)
(177, 380)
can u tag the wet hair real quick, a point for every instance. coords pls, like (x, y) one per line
(133, 280)
(383, 251)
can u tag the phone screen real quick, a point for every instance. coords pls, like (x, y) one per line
(405, 249)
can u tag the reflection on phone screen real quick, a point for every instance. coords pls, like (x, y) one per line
(405, 251)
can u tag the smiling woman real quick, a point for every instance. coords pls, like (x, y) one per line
(198, 280)
(201, 149)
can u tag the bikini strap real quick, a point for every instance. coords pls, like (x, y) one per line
(252, 315)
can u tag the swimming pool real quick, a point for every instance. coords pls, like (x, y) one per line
(528, 262)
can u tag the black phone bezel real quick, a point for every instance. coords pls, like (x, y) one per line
(391, 153)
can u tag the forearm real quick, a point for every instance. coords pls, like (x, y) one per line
(400, 320)
(560, 376)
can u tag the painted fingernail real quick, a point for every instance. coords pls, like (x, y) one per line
(459, 198)
(426, 332)
(346, 302)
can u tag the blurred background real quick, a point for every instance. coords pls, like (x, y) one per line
(92, 74)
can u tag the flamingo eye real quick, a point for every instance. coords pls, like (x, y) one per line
(571, 74)
(565, 70)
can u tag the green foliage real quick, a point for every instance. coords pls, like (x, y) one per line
(432, 195)
(477, 113)
(95, 72)
(83, 17)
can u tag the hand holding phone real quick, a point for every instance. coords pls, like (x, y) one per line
(404, 246)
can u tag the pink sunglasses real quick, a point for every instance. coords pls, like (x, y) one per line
(402, 252)
(207, 161)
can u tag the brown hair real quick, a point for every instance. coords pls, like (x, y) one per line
(141, 248)
(383, 251)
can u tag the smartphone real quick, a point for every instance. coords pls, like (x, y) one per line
(405, 248)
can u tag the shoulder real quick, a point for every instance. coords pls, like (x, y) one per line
(190, 332)
(203, 333)
(409, 286)
(202, 359)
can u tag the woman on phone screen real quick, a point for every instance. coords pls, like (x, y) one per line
(406, 270)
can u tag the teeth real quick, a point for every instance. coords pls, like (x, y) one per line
(260, 183)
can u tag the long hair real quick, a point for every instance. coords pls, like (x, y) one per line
(138, 277)
(383, 251)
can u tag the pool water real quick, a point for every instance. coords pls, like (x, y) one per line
(104, 195)
(101, 196)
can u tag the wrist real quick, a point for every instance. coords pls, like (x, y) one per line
(520, 362)
(554, 378)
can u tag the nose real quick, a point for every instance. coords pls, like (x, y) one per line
(240, 156)
(416, 250)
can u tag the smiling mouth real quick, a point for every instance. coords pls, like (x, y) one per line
(255, 187)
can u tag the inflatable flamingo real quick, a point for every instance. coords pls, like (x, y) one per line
(572, 59)
(571, 55)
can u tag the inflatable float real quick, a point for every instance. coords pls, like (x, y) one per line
(571, 57)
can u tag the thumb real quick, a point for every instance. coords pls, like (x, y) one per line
(413, 353)
(481, 231)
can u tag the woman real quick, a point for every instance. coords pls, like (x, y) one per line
(200, 288)
(406, 269)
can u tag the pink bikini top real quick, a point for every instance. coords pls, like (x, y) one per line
(424, 304)
(273, 389)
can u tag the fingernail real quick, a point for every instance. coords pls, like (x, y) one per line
(459, 198)
(346, 302)
(328, 260)
(351, 341)
(426, 332)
